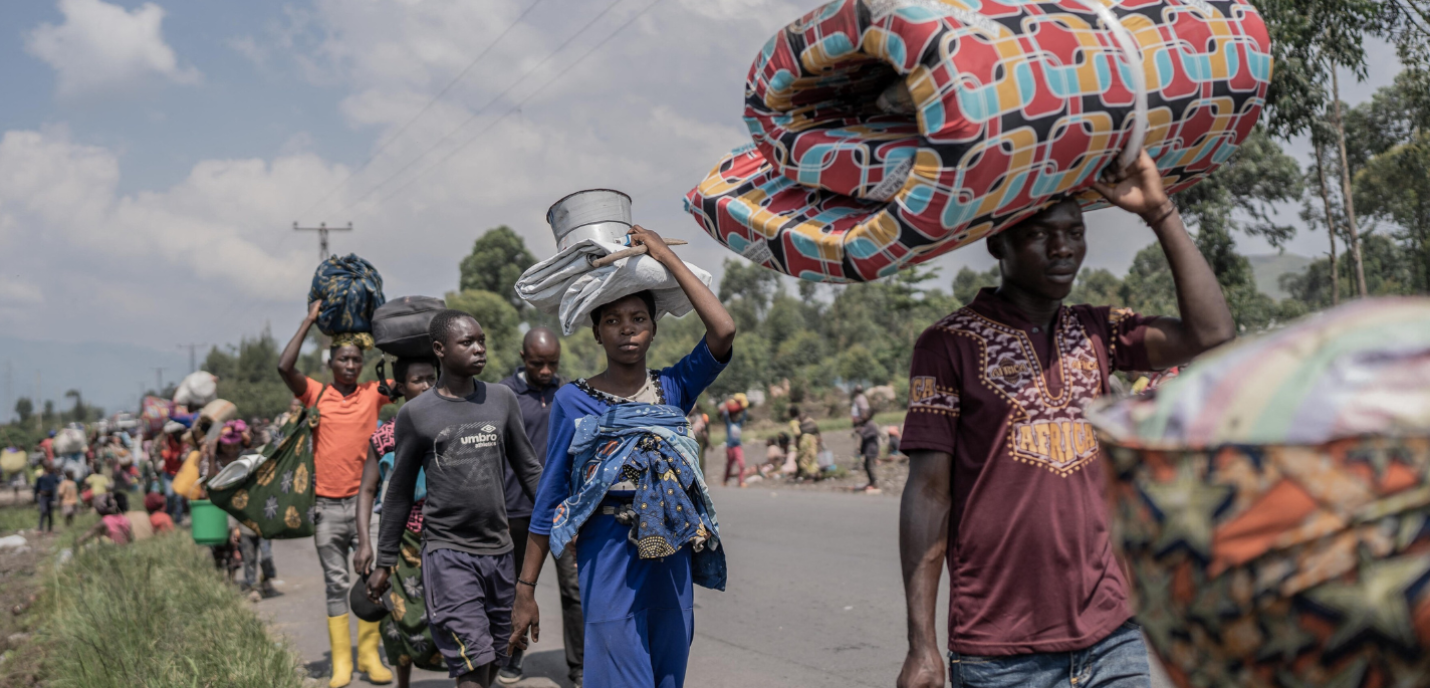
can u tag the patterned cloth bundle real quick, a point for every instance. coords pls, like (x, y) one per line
(888, 132)
(351, 290)
(1273, 504)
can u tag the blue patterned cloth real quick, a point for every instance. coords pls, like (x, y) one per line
(650, 445)
(351, 290)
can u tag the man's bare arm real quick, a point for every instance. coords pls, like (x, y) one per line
(923, 542)
(1206, 320)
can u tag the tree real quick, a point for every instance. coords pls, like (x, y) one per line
(1239, 196)
(858, 364)
(1396, 186)
(80, 413)
(496, 262)
(24, 408)
(1389, 271)
(968, 281)
(1311, 40)
(1097, 287)
(246, 375)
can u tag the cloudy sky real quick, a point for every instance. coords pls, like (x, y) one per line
(154, 156)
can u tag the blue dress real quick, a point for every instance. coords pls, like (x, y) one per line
(639, 612)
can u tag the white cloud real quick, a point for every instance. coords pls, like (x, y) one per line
(103, 49)
(210, 257)
(15, 293)
(209, 231)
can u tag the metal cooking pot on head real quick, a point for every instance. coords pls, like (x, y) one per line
(601, 214)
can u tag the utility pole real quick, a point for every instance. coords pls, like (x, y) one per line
(193, 359)
(322, 229)
(158, 380)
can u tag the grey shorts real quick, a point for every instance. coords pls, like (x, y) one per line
(469, 599)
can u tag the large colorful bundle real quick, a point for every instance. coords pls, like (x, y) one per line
(1273, 505)
(888, 132)
(351, 291)
(155, 411)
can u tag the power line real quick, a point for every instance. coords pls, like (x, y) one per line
(484, 107)
(403, 129)
(514, 108)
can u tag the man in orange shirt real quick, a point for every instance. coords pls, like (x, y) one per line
(347, 417)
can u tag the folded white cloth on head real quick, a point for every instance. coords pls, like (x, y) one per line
(565, 285)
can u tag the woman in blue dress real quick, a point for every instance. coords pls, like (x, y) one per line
(639, 612)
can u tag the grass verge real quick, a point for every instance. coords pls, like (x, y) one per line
(153, 614)
(156, 614)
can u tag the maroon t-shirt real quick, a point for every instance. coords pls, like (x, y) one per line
(1031, 566)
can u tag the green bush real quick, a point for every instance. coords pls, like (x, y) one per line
(156, 614)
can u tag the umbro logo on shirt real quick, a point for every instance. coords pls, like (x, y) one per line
(485, 438)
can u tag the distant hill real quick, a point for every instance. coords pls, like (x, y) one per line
(108, 375)
(1268, 269)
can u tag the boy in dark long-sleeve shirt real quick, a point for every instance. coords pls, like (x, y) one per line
(464, 433)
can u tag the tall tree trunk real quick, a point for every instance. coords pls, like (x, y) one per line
(1346, 185)
(1330, 221)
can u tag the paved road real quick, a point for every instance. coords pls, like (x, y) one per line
(814, 598)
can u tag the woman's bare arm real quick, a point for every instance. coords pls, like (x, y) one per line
(719, 326)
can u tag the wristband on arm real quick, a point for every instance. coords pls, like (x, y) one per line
(1161, 214)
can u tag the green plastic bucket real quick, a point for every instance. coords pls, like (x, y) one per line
(209, 523)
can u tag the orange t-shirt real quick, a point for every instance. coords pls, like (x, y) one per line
(345, 425)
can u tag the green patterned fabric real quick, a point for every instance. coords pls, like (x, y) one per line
(276, 499)
(405, 634)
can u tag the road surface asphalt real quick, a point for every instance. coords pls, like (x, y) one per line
(814, 598)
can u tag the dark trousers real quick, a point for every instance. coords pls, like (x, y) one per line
(869, 448)
(257, 556)
(573, 626)
(47, 512)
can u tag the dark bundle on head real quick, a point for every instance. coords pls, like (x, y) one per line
(444, 322)
(645, 296)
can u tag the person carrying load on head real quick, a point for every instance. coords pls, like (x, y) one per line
(405, 636)
(620, 465)
(1006, 481)
(348, 415)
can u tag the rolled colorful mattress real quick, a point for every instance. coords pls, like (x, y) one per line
(1272, 504)
(888, 132)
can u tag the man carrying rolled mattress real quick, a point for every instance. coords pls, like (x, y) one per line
(1005, 478)
(347, 417)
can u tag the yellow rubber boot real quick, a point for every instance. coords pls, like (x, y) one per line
(369, 660)
(341, 640)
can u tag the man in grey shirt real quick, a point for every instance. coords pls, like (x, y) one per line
(464, 433)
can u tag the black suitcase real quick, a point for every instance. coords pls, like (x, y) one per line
(399, 327)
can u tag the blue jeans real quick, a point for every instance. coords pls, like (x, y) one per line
(1117, 661)
(173, 503)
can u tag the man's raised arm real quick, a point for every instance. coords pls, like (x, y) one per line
(288, 363)
(1206, 320)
